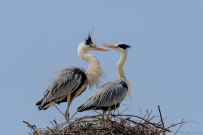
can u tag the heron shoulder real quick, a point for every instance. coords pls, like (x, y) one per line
(116, 85)
(67, 76)
(121, 81)
(70, 69)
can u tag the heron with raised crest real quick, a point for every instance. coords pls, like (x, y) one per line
(71, 82)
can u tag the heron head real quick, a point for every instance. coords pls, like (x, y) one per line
(90, 45)
(120, 47)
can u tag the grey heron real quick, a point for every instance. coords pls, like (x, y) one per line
(110, 95)
(71, 82)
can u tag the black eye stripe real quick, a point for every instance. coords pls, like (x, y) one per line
(124, 46)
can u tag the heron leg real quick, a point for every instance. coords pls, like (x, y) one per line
(104, 112)
(67, 110)
(109, 108)
(102, 124)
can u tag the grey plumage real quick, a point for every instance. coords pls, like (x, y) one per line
(71, 82)
(68, 81)
(107, 97)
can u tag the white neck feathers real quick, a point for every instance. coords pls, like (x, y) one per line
(121, 62)
(94, 72)
(120, 73)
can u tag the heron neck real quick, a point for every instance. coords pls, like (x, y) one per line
(121, 62)
(94, 72)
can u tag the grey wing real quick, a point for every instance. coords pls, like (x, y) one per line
(67, 81)
(109, 94)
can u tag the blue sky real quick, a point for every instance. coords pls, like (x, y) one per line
(164, 64)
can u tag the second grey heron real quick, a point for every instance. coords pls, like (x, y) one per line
(110, 95)
(72, 82)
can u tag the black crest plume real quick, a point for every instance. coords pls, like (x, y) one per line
(88, 41)
(124, 46)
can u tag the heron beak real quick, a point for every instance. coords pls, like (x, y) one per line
(100, 48)
(112, 46)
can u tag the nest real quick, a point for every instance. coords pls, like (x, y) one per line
(113, 124)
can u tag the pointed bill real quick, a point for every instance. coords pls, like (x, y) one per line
(100, 48)
(113, 46)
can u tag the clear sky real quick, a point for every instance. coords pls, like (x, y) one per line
(165, 63)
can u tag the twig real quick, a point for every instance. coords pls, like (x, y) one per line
(140, 110)
(73, 115)
(59, 110)
(161, 119)
(179, 127)
(124, 110)
(161, 116)
(173, 125)
(193, 121)
(126, 105)
(98, 112)
(32, 127)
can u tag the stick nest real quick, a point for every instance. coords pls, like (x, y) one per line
(114, 124)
